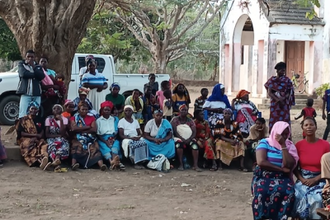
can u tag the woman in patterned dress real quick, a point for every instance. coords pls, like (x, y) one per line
(281, 93)
(229, 141)
(56, 134)
(272, 183)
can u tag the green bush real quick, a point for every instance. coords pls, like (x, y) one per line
(321, 89)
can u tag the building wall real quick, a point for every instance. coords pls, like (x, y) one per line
(268, 48)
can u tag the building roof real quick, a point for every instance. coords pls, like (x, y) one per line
(287, 12)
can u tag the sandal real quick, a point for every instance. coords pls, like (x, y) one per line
(103, 167)
(138, 167)
(121, 167)
(47, 166)
(214, 167)
(56, 162)
(242, 169)
(43, 163)
(197, 169)
(180, 169)
(61, 170)
(75, 166)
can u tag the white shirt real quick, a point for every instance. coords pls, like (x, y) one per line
(129, 128)
(105, 126)
(82, 71)
(152, 128)
(214, 104)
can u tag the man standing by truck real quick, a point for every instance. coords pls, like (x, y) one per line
(29, 86)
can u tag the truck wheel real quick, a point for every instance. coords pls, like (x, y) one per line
(9, 109)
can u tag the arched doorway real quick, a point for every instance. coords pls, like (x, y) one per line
(243, 41)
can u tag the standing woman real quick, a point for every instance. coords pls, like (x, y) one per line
(56, 134)
(84, 147)
(134, 146)
(215, 104)
(30, 134)
(309, 185)
(96, 82)
(272, 183)
(281, 93)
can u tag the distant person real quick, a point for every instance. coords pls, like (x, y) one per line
(136, 102)
(96, 82)
(152, 83)
(215, 104)
(281, 93)
(167, 105)
(117, 99)
(325, 115)
(165, 85)
(180, 96)
(199, 102)
(83, 70)
(247, 112)
(308, 111)
(29, 86)
(150, 104)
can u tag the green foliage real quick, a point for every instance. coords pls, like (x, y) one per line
(8, 45)
(310, 4)
(321, 89)
(107, 36)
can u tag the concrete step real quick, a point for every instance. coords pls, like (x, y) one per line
(13, 153)
(298, 101)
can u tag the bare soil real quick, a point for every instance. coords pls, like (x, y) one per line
(29, 193)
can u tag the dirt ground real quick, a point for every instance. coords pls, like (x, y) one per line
(29, 193)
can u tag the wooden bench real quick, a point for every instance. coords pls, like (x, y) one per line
(323, 213)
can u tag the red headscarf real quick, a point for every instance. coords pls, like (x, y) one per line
(107, 104)
(242, 93)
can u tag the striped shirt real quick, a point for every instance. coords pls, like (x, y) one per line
(274, 155)
(97, 79)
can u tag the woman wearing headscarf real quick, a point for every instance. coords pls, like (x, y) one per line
(272, 183)
(180, 96)
(246, 111)
(69, 108)
(30, 134)
(85, 150)
(228, 140)
(309, 185)
(97, 84)
(136, 102)
(107, 130)
(215, 104)
(56, 136)
(184, 130)
(134, 146)
(117, 99)
(158, 133)
(83, 93)
(281, 92)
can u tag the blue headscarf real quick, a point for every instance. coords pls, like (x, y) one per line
(218, 96)
(113, 85)
(32, 104)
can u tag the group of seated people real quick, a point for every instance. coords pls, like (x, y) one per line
(121, 129)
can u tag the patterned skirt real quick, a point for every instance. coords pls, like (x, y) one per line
(273, 195)
(308, 199)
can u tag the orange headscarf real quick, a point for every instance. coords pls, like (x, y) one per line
(242, 93)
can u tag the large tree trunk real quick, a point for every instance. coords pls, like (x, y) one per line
(160, 58)
(49, 27)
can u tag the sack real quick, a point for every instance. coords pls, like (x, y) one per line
(159, 162)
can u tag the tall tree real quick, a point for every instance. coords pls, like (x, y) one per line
(165, 27)
(53, 28)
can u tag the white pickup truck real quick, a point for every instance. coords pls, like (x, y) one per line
(9, 100)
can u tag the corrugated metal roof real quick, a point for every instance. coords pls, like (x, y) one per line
(287, 12)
